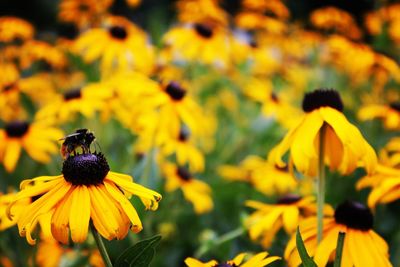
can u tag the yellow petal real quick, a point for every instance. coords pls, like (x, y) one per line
(79, 214)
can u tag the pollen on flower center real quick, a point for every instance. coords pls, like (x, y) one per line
(16, 128)
(85, 169)
(322, 98)
(175, 91)
(288, 199)
(354, 215)
(395, 106)
(203, 30)
(118, 32)
(183, 173)
(72, 94)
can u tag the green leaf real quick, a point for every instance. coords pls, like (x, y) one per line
(140, 254)
(339, 249)
(305, 258)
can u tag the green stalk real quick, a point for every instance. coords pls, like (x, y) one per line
(222, 239)
(321, 183)
(101, 247)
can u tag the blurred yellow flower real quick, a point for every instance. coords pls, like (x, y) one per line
(120, 45)
(194, 190)
(37, 138)
(13, 28)
(268, 219)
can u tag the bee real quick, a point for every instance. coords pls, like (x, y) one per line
(82, 138)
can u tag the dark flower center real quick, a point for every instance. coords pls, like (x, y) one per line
(354, 215)
(253, 44)
(203, 30)
(85, 169)
(72, 94)
(322, 98)
(184, 134)
(395, 106)
(274, 97)
(183, 173)
(175, 91)
(83, 7)
(288, 199)
(118, 32)
(9, 87)
(17, 128)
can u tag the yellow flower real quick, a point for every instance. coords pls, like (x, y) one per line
(332, 18)
(83, 13)
(385, 183)
(252, 20)
(85, 191)
(259, 260)
(39, 51)
(37, 138)
(273, 8)
(86, 100)
(362, 246)
(389, 113)
(288, 211)
(198, 11)
(176, 107)
(185, 151)
(200, 42)
(120, 45)
(12, 28)
(264, 176)
(345, 147)
(195, 191)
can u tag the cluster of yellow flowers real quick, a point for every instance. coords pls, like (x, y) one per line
(178, 103)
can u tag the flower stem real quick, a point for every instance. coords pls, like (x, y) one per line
(222, 239)
(101, 247)
(321, 182)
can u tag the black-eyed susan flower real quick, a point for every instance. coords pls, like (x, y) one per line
(204, 43)
(85, 191)
(259, 260)
(193, 11)
(334, 19)
(38, 51)
(194, 190)
(83, 13)
(264, 176)
(389, 113)
(345, 147)
(176, 106)
(385, 183)
(119, 44)
(66, 106)
(185, 151)
(13, 28)
(362, 246)
(286, 213)
(38, 139)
